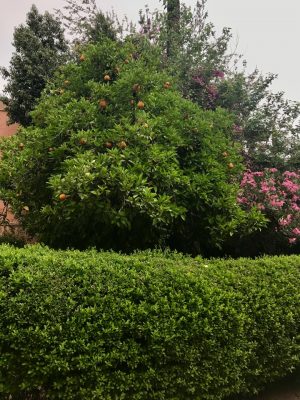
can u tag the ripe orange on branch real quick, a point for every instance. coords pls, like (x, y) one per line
(62, 197)
(103, 104)
(25, 210)
(106, 78)
(140, 105)
(108, 145)
(122, 145)
(136, 88)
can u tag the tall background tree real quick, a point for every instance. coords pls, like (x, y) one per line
(40, 47)
(86, 23)
(173, 24)
(209, 73)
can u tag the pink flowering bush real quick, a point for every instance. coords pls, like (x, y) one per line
(204, 87)
(277, 195)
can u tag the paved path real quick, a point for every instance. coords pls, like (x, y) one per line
(288, 389)
(287, 394)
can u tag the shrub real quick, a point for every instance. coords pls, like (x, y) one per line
(116, 158)
(147, 326)
(277, 195)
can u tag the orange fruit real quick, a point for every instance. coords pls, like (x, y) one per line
(108, 145)
(167, 85)
(25, 210)
(106, 78)
(230, 165)
(103, 104)
(225, 154)
(136, 88)
(62, 197)
(140, 105)
(82, 57)
(122, 145)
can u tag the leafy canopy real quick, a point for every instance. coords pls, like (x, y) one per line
(40, 47)
(211, 74)
(117, 158)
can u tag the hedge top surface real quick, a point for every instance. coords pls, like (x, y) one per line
(150, 325)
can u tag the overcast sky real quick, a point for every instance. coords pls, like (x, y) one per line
(267, 31)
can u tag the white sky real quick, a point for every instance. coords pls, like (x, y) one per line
(267, 31)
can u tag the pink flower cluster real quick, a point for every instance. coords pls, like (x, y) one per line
(212, 91)
(237, 129)
(208, 85)
(275, 194)
(199, 79)
(219, 74)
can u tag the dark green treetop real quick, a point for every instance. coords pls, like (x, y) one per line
(40, 47)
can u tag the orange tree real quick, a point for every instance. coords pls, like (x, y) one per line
(117, 158)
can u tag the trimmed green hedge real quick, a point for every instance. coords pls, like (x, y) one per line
(147, 326)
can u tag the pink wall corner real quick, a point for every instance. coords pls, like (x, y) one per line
(6, 130)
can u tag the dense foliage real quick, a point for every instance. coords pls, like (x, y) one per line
(213, 76)
(118, 159)
(148, 326)
(40, 47)
(277, 195)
